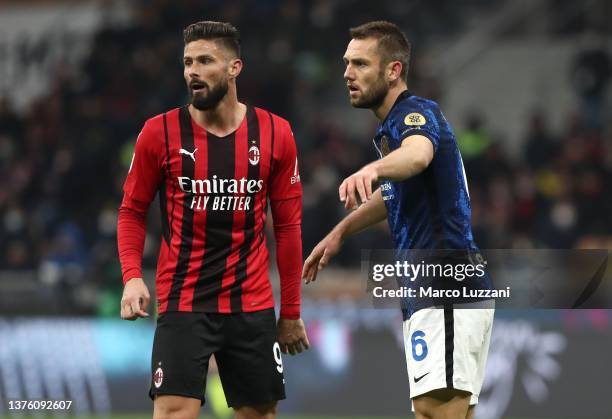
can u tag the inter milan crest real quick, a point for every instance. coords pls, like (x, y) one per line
(254, 155)
(384, 146)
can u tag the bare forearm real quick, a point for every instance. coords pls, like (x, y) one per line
(368, 214)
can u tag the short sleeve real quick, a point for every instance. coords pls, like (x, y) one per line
(145, 173)
(411, 119)
(285, 177)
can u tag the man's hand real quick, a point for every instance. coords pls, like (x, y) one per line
(135, 299)
(292, 336)
(359, 183)
(320, 255)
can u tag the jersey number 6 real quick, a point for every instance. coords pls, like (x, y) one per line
(418, 341)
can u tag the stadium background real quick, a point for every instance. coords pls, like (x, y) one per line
(524, 83)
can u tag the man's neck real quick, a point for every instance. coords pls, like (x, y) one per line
(224, 118)
(382, 111)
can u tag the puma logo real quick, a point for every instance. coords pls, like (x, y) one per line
(192, 154)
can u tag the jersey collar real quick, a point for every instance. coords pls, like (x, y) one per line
(399, 98)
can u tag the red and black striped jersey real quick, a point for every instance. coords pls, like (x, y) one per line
(214, 195)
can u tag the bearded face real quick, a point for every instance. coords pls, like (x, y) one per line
(206, 73)
(364, 74)
(204, 96)
(370, 95)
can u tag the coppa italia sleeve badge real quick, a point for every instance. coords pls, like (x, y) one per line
(415, 119)
(384, 146)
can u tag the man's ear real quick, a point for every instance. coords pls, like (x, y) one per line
(394, 71)
(235, 67)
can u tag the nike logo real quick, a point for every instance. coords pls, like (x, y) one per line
(417, 379)
(192, 154)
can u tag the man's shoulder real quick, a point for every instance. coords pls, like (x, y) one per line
(158, 120)
(412, 112)
(414, 103)
(155, 126)
(277, 120)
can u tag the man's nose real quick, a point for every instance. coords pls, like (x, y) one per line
(348, 73)
(194, 72)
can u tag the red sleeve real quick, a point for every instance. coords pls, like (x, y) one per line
(287, 216)
(131, 226)
(285, 191)
(285, 179)
(140, 187)
(145, 172)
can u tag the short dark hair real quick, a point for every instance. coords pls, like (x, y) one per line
(222, 32)
(392, 42)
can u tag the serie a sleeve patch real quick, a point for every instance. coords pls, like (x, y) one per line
(415, 119)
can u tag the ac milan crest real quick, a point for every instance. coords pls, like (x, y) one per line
(254, 155)
(158, 378)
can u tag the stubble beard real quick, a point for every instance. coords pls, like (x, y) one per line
(204, 102)
(374, 96)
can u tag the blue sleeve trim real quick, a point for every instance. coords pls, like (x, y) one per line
(418, 131)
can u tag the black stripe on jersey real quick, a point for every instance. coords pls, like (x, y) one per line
(218, 228)
(272, 128)
(163, 210)
(253, 139)
(188, 170)
(262, 235)
(163, 199)
(449, 344)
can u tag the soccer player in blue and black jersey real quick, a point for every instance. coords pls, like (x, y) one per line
(423, 194)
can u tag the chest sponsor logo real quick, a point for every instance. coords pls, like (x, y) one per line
(219, 194)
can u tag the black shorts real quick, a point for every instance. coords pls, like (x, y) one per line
(245, 348)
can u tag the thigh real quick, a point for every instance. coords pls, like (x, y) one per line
(443, 404)
(447, 348)
(474, 327)
(263, 411)
(182, 347)
(167, 406)
(250, 363)
(427, 357)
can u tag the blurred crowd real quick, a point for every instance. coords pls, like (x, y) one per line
(63, 161)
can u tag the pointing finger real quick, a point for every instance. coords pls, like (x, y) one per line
(368, 186)
(361, 190)
(342, 191)
(352, 199)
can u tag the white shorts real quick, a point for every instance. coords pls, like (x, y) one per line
(447, 348)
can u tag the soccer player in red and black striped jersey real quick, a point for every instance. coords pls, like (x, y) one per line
(216, 164)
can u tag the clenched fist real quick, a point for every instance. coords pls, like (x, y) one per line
(135, 299)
